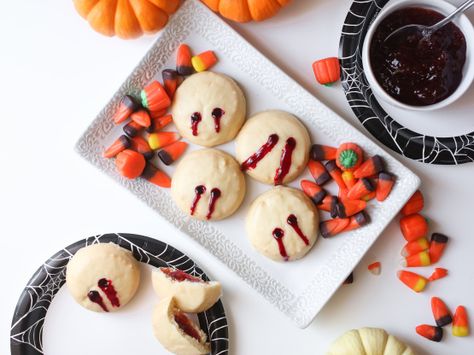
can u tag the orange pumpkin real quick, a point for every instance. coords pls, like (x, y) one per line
(126, 18)
(246, 10)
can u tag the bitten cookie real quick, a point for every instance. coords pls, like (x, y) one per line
(209, 109)
(273, 147)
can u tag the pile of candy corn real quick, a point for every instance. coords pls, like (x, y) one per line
(145, 117)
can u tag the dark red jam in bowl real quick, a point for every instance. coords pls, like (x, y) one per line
(414, 71)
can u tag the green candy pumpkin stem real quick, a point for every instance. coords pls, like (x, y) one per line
(348, 158)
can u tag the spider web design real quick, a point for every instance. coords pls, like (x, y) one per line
(28, 320)
(413, 145)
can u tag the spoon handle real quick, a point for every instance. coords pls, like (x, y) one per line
(450, 17)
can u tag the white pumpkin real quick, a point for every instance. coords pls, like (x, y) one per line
(368, 341)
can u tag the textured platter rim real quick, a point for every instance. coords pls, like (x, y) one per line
(301, 308)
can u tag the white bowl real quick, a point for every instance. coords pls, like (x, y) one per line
(444, 8)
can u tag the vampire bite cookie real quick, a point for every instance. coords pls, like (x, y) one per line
(273, 147)
(103, 277)
(282, 224)
(208, 184)
(209, 109)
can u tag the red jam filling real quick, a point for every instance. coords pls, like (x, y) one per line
(253, 160)
(285, 161)
(109, 290)
(178, 275)
(186, 325)
(215, 194)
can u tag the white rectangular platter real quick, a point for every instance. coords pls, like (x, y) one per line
(298, 289)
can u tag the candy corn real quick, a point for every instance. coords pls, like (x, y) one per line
(420, 259)
(356, 221)
(440, 312)
(347, 208)
(162, 139)
(342, 193)
(118, 146)
(157, 124)
(158, 114)
(430, 332)
(460, 322)
(349, 179)
(204, 61)
(414, 205)
(375, 268)
(319, 172)
(172, 152)
(370, 167)
(132, 128)
(183, 60)
(349, 279)
(438, 273)
(313, 191)
(415, 247)
(349, 156)
(327, 70)
(335, 173)
(332, 227)
(141, 117)
(140, 145)
(361, 188)
(322, 152)
(370, 196)
(413, 227)
(154, 97)
(328, 203)
(335, 207)
(127, 106)
(414, 281)
(156, 176)
(384, 186)
(130, 164)
(437, 245)
(170, 81)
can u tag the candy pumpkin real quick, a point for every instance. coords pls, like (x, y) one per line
(126, 18)
(246, 10)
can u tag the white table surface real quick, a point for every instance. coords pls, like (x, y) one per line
(56, 74)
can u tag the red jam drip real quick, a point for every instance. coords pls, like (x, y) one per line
(253, 160)
(217, 114)
(186, 325)
(199, 190)
(109, 290)
(215, 194)
(278, 234)
(285, 161)
(195, 119)
(179, 275)
(95, 297)
(293, 222)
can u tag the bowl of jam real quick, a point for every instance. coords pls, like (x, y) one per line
(416, 72)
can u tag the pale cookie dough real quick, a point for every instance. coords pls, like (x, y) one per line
(271, 226)
(103, 277)
(215, 103)
(256, 133)
(204, 176)
(169, 325)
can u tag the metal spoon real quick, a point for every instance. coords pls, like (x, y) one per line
(427, 31)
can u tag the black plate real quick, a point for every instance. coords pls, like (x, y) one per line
(413, 145)
(27, 325)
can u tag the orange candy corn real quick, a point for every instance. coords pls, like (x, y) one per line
(437, 245)
(322, 152)
(335, 207)
(156, 176)
(375, 268)
(349, 179)
(413, 227)
(414, 281)
(369, 167)
(183, 60)
(319, 172)
(140, 145)
(416, 260)
(204, 61)
(132, 129)
(335, 173)
(328, 203)
(130, 164)
(118, 146)
(162, 139)
(347, 208)
(438, 273)
(158, 114)
(370, 196)
(327, 70)
(360, 189)
(356, 221)
(141, 117)
(127, 106)
(414, 205)
(158, 123)
(440, 312)
(172, 152)
(415, 247)
(332, 227)
(430, 332)
(313, 191)
(460, 322)
(170, 81)
(384, 186)
(154, 97)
